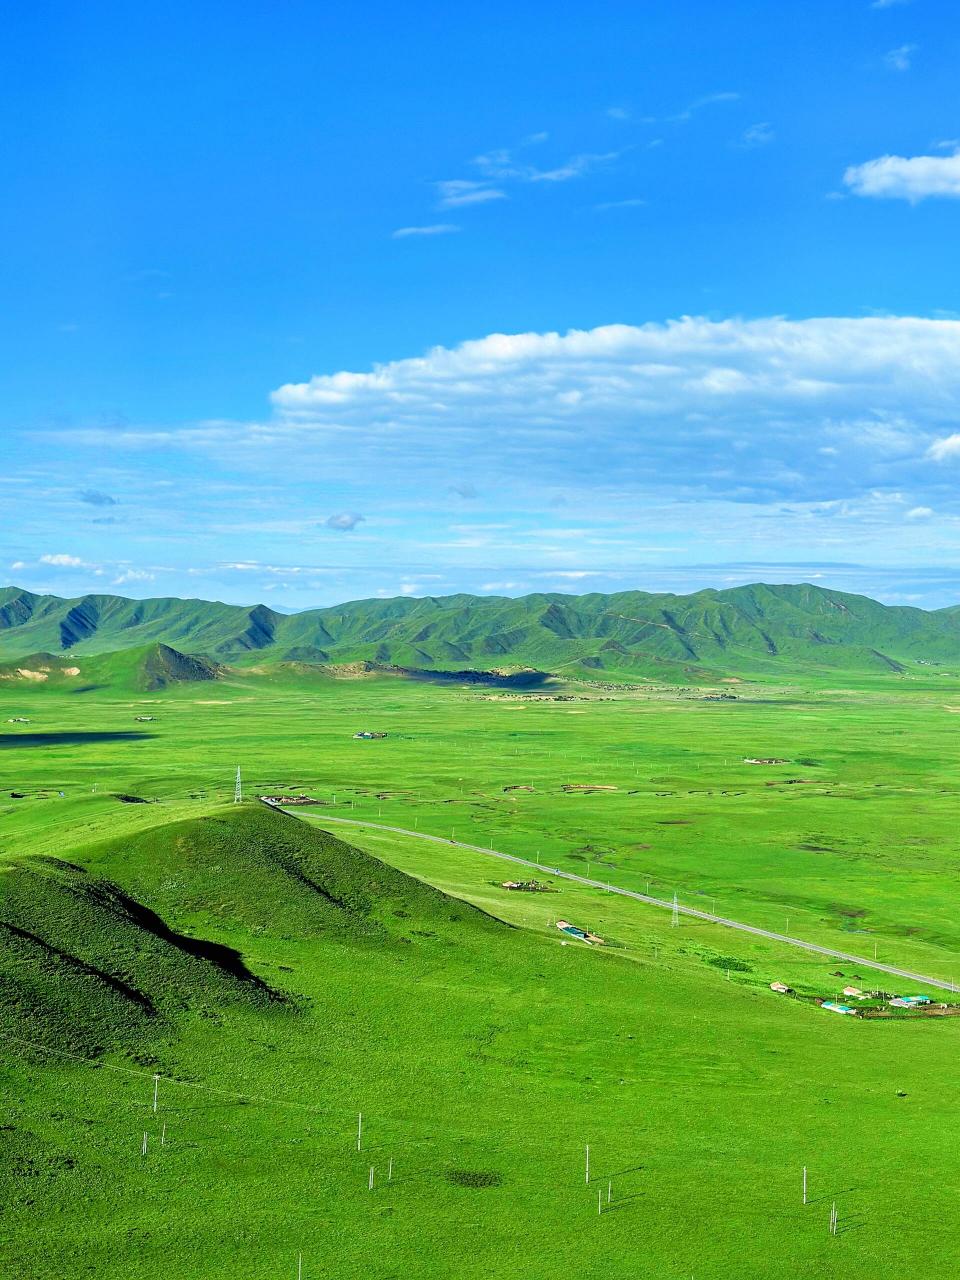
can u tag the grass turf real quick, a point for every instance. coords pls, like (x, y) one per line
(483, 1053)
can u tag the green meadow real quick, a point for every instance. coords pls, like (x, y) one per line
(281, 980)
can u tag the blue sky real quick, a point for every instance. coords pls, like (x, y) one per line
(257, 258)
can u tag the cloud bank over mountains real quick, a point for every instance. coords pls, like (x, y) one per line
(749, 410)
(600, 458)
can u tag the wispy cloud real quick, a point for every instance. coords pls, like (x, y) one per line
(632, 202)
(502, 166)
(344, 521)
(887, 4)
(431, 229)
(757, 135)
(698, 104)
(575, 167)
(457, 192)
(901, 58)
(910, 178)
(945, 450)
(96, 498)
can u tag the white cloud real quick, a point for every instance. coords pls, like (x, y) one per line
(748, 409)
(62, 561)
(910, 178)
(433, 229)
(887, 4)
(133, 575)
(919, 513)
(18, 564)
(946, 449)
(901, 58)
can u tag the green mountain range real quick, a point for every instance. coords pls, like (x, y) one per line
(758, 628)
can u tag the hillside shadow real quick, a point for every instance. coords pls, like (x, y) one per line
(224, 958)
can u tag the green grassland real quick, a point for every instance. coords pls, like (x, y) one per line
(281, 980)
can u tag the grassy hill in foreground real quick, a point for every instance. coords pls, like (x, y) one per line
(483, 1059)
(87, 963)
(756, 628)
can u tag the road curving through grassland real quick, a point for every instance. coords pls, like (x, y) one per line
(663, 903)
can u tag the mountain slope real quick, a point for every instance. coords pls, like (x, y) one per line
(757, 627)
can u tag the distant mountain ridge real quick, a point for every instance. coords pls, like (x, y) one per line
(759, 627)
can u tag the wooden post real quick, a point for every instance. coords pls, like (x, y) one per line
(156, 1091)
(359, 1129)
(588, 1163)
(390, 1170)
(370, 1183)
(143, 1147)
(599, 1200)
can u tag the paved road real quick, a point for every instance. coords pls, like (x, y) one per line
(654, 902)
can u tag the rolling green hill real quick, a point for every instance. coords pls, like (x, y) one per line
(93, 966)
(146, 668)
(756, 628)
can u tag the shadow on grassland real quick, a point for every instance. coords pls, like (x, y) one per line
(81, 739)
